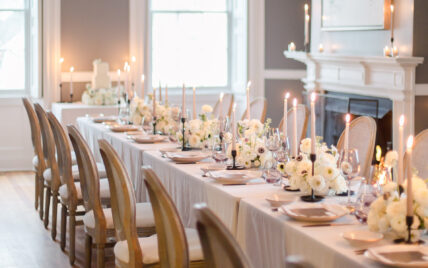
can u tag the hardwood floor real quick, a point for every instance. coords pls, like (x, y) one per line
(24, 242)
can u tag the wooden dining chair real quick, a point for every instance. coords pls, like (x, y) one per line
(420, 149)
(257, 109)
(98, 221)
(226, 106)
(362, 136)
(302, 122)
(51, 174)
(219, 246)
(38, 159)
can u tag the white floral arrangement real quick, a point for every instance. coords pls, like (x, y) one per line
(139, 109)
(101, 96)
(388, 212)
(248, 128)
(200, 131)
(327, 177)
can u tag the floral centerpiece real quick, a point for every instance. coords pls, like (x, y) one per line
(327, 178)
(201, 131)
(101, 96)
(388, 212)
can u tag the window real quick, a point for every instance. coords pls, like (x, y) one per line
(18, 37)
(192, 42)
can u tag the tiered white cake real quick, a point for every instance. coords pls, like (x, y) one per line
(100, 78)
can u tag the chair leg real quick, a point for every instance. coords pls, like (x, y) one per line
(100, 255)
(36, 191)
(54, 214)
(42, 195)
(47, 204)
(63, 225)
(72, 234)
(88, 250)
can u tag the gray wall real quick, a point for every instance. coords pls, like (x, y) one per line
(420, 39)
(94, 29)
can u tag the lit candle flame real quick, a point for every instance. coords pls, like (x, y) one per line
(287, 95)
(61, 60)
(294, 102)
(306, 7)
(234, 107)
(392, 8)
(142, 78)
(410, 142)
(221, 96)
(313, 96)
(378, 153)
(401, 120)
(118, 72)
(71, 69)
(248, 85)
(348, 118)
(128, 68)
(133, 59)
(307, 17)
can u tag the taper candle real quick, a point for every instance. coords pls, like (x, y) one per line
(347, 120)
(160, 92)
(142, 86)
(194, 102)
(166, 94)
(118, 85)
(313, 137)
(154, 102)
(392, 22)
(234, 127)
(306, 24)
(248, 115)
(400, 171)
(220, 106)
(285, 117)
(183, 103)
(295, 150)
(71, 80)
(409, 176)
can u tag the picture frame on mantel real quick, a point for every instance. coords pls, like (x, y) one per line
(355, 15)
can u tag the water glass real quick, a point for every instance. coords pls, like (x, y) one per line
(349, 165)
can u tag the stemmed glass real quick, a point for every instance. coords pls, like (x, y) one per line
(349, 165)
(273, 143)
(219, 146)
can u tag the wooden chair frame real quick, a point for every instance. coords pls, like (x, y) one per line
(252, 103)
(229, 109)
(300, 107)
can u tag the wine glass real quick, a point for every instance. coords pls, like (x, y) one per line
(349, 165)
(219, 150)
(367, 193)
(273, 143)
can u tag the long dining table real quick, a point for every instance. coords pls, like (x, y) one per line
(265, 235)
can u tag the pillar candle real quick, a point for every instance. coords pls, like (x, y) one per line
(386, 51)
(194, 102)
(409, 176)
(347, 119)
(71, 79)
(183, 103)
(154, 102)
(295, 150)
(313, 137)
(248, 100)
(285, 117)
(400, 173)
(118, 85)
(234, 127)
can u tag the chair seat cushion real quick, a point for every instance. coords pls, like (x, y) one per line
(104, 190)
(149, 248)
(36, 160)
(47, 174)
(144, 217)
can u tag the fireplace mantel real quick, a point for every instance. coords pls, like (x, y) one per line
(385, 77)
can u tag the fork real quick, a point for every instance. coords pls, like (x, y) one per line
(360, 251)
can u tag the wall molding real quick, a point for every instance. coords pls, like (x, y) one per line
(256, 47)
(284, 74)
(421, 89)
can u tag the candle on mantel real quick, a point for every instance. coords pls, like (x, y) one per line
(166, 95)
(386, 51)
(183, 103)
(154, 102)
(295, 150)
(347, 120)
(306, 24)
(118, 85)
(400, 150)
(394, 51)
(321, 48)
(61, 60)
(71, 80)
(142, 86)
(313, 137)
(248, 115)
(392, 23)
(234, 127)
(285, 117)
(194, 102)
(291, 47)
(409, 176)
(160, 92)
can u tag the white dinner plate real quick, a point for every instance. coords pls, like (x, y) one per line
(148, 138)
(399, 255)
(234, 176)
(277, 200)
(123, 128)
(188, 157)
(102, 119)
(213, 167)
(361, 237)
(314, 212)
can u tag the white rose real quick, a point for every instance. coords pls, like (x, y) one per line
(329, 172)
(206, 109)
(421, 196)
(194, 140)
(391, 158)
(383, 224)
(227, 137)
(339, 184)
(389, 187)
(290, 167)
(398, 223)
(397, 208)
(136, 119)
(295, 182)
(303, 167)
(378, 205)
(326, 159)
(317, 183)
(417, 183)
(373, 221)
(305, 146)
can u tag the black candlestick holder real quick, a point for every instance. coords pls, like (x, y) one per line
(408, 240)
(221, 140)
(234, 166)
(71, 97)
(312, 197)
(183, 129)
(154, 125)
(307, 47)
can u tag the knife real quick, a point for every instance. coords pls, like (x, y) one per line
(326, 224)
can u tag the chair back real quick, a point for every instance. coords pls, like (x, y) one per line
(49, 147)
(419, 154)
(257, 109)
(302, 122)
(172, 241)
(122, 200)
(65, 162)
(362, 136)
(89, 178)
(226, 106)
(36, 135)
(218, 244)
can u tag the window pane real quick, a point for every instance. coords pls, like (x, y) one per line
(12, 4)
(189, 5)
(12, 50)
(190, 48)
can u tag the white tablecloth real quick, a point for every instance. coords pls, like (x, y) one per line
(67, 113)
